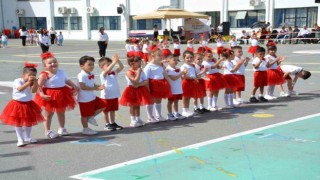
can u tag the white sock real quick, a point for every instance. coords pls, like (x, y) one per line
(209, 102)
(132, 118)
(150, 111)
(136, 118)
(28, 132)
(185, 109)
(158, 110)
(214, 101)
(231, 99)
(195, 106)
(226, 99)
(271, 90)
(19, 132)
(201, 106)
(260, 95)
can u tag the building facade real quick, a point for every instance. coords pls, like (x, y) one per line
(81, 19)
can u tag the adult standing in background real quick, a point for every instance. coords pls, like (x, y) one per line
(220, 29)
(44, 40)
(23, 35)
(103, 40)
(155, 31)
(52, 33)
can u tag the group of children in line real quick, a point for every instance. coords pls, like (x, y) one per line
(160, 78)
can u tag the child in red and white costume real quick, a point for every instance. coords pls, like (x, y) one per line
(203, 44)
(254, 45)
(233, 42)
(136, 93)
(175, 82)
(137, 46)
(165, 48)
(220, 45)
(111, 91)
(145, 50)
(158, 85)
(176, 46)
(55, 94)
(216, 80)
(127, 46)
(190, 84)
(275, 76)
(190, 45)
(89, 104)
(21, 110)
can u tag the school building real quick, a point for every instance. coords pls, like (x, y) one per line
(81, 19)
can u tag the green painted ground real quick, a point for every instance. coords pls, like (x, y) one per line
(290, 151)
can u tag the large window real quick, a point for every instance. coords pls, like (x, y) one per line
(33, 22)
(108, 22)
(144, 24)
(61, 23)
(296, 16)
(215, 18)
(246, 21)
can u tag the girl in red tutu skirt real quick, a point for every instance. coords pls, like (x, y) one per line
(158, 85)
(232, 80)
(275, 76)
(55, 94)
(220, 45)
(254, 45)
(216, 80)
(176, 47)
(136, 93)
(190, 45)
(165, 48)
(22, 111)
(145, 50)
(203, 44)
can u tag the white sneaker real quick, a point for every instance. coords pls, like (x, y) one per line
(136, 123)
(179, 116)
(187, 114)
(236, 102)
(20, 144)
(51, 135)
(63, 132)
(92, 121)
(88, 131)
(268, 97)
(152, 120)
(160, 118)
(284, 94)
(293, 93)
(229, 107)
(171, 117)
(215, 109)
(30, 141)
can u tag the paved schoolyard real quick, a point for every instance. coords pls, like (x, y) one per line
(64, 157)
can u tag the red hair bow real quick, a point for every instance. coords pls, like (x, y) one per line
(26, 64)
(271, 44)
(47, 55)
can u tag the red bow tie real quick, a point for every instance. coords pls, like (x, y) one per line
(177, 70)
(111, 73)
(91, 76)
(201, 67)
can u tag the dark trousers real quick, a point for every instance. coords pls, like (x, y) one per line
(23, 40)
(155, 34)
(102, 48)
(44, 48)
(53, 37)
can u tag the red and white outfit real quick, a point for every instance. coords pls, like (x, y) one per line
(290, 68)
(88, 101)
(176, 48)
(176, 86)
(233, 43)
(127, 46)
(190, 87)
(275, 76)
(203, 46)
(190, 47)
(254, 46)
(231, 79)
(139, 96)
(137, 51)
(111, 91)
(21, 110)
(165, 50)
(145, 52)
(220, 45)
(260, 73)
(159, 87)
(201, 80)
(240, 74)
(61, 96)
(216, 81)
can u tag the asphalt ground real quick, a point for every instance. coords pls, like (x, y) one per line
(66, 156)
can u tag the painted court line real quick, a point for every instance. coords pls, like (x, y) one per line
(194, 146)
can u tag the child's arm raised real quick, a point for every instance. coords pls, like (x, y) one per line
(216, 65)
(115, 60)
(120, 68)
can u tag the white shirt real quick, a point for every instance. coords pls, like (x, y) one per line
(233, 43)
(176, 86)
(254, 42)
(111, 85)
(52, 32)
(208, 65)
(103, 37)
(85, 95)
(191, 70)
(22, 33)
(199, 69)
(291, 68)
(23, 96)
(176, 46)
(227, 67)
(131, 48)
(57, 80)
(220, 43)
(272, 58)
(127, 46)
(142, 78)
(60, 37)
(242, 68)
(303, 32)
(4, 38)
(137, 48)
(145, 48)
(44, 39)
(189, 45)
(204, 43)
(262, 67)
(153, 71)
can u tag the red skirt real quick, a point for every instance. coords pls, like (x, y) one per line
(201, 50)
(145, 57)
(253, 49)
(219, 50)
(216, 82)
(165, 53)
(202, 86)
(275, 77)
(20, 114)
(111, 104)
(175, 97)
(87, 109)
(190, 49)
(232, 81)
(139, 54)
(260, 78)
(243, 82)
(159, 88)
(192, 89)
(176, 52)
(135, 96)
(61, 99)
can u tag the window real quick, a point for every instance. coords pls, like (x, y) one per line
(76, 23)
(243, 19)
(296, 16)
(33, 22)
(108, 22)
(61, 23)
(144, 24)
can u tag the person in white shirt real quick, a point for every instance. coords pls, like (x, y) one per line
(304, 33)
(53, 35)
(103, 40)
(233, 42)
(44, 40)
(4, 40)
(60, 39)
(23, 35)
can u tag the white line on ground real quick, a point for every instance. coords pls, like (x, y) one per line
(194, 146)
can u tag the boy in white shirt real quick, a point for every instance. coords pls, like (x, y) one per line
(60, 39)
(4, 40)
